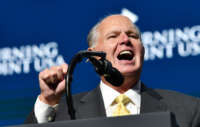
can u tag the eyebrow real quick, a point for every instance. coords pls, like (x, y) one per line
(118, 31)
(114, 31)
(132, 32)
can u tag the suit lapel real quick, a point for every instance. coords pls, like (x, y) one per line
(91, 105)
(151, 101)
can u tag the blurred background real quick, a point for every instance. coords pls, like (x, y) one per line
(37, 34)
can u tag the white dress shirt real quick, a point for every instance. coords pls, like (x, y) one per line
(43, 111)
(110, 94)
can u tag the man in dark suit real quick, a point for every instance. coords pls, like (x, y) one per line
(120, 39)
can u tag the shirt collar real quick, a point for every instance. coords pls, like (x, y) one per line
(110, 94)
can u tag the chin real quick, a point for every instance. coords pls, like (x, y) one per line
(130, 70)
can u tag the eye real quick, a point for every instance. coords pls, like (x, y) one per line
(112, 36)
(135, 36)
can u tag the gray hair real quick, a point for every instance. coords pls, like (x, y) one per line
(93, 34)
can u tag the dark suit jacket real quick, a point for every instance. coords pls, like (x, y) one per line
(90, 104)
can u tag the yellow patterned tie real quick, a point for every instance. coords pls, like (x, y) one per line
(121, 101)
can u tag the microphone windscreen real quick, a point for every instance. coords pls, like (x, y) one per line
(115, 77)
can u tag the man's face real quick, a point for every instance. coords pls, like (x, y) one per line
(119, 39)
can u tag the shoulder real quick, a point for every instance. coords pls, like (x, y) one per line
(186, 108)
(176, 95)
(178, 99)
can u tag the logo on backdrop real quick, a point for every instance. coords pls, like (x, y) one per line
(18, 60)
(164, 44)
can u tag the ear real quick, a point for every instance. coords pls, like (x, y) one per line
(143, 52)
(143, 49)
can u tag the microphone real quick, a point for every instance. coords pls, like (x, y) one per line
(104, 67)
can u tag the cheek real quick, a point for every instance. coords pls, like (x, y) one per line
(139, 49)
(99, 47)
(106, 47)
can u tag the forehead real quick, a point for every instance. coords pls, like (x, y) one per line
(116, 23)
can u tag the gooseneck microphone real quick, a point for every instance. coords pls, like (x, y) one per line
(104, 68)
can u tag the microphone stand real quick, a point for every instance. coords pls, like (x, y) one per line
(69, 77)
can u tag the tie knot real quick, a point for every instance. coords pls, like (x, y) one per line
(122, 99)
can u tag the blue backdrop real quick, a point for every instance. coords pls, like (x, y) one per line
(35, 34)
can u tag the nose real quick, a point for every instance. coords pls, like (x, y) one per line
(124, 39)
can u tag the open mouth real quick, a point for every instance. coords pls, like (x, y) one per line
(125, 55)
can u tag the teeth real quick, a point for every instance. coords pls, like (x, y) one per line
(125, 52)
(125, 55)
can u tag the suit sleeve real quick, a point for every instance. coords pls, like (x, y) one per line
(196, 120)
(31, 118)
(42, 113)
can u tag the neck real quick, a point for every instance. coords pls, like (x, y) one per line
(129, 82)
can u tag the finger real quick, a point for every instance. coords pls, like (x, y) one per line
(61, 87)
(57, 73)
(53, 76)
(43, 74)
(44, 80)
(60, 74)
(52, 79)
(64, 68)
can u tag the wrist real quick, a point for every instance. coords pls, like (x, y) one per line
(50, 101)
